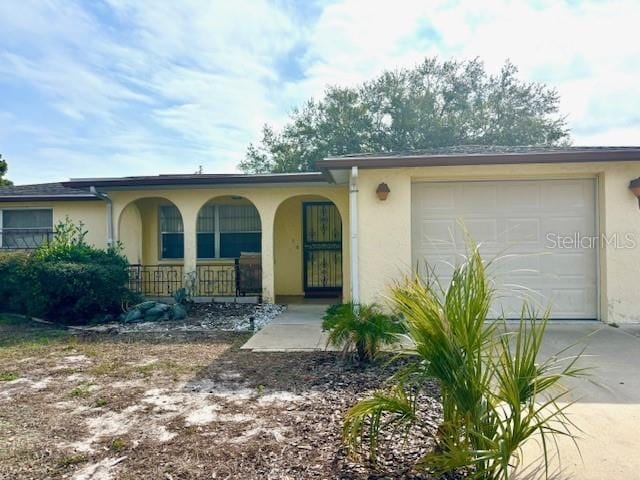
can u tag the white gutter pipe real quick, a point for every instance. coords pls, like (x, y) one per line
(353, 223)
(109, 214)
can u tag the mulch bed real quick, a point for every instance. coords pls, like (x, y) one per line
(190, 406)
(322, 388)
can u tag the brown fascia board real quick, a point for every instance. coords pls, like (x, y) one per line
(336, 163)
(198, 179)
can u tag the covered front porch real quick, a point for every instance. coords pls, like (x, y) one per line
(238, 244)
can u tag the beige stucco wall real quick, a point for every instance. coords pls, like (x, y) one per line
(266, 199)
(385, 227)
(92, 214)
(130, 227)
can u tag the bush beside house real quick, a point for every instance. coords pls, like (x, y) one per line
(66, 280)
(361, 329)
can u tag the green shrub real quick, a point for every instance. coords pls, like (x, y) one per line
(496, 393)
(14, 283)
(65, 280)
(76, 292)
(360, 328)
(68, 245)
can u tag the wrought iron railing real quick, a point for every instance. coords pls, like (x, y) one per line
(216, 280)
(156, 280)
(24, 238)
(242, 277)
(238, 277)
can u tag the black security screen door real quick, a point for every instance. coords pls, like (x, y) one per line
(322, 247)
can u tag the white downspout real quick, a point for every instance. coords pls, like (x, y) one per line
(353, 222)
(109, 214)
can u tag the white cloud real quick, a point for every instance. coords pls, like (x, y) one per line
(145, 87)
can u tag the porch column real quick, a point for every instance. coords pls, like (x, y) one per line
(268, 277)
(190, 247)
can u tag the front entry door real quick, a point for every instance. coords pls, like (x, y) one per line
(322, 249)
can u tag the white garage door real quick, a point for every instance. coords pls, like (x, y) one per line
(543, 233)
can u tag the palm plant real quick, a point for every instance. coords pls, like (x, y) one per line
(362, 329)
(496, 394)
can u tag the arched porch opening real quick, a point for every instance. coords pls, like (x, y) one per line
(309, 260)
(151, 233)
(228, 248)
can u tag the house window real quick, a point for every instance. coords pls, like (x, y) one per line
(225, 231)
(206, 232)
(25, 228)
(171, 233)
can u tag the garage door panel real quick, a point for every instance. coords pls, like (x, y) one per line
(516, 221)
(525, 195)
(567, 226)
(568, 194)
(437, 198)
(436, 231)
(572, 264)
(468, 197)
(483, 230)
(523, 230)
(570, 302)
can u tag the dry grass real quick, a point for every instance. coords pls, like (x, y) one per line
(170, 407)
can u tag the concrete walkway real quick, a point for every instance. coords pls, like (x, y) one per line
(298, 329)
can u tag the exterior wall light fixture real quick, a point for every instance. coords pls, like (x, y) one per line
(634, 186)
(383, 191)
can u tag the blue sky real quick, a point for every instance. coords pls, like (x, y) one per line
(124, 87)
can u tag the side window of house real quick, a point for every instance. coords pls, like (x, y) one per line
(171, 233)
(25, 228)
(225, 231)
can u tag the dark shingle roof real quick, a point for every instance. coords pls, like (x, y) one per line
(482, 154)
(78, 188)
(43, 191)
(489, 150)
(204, 179)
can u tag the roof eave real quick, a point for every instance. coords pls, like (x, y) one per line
(160, 181)
(337, 163)
(46, 198)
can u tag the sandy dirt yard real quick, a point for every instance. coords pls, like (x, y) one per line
(180, 406)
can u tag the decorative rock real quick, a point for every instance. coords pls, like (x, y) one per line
(144, 306)
(179, 312)
(133, 315)
(155, 311)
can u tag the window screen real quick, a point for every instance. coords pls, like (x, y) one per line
(26, 229)
(206, 236)
(239, 230)
(225, 231)
(171, 233)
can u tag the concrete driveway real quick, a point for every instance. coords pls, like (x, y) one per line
(606, 408)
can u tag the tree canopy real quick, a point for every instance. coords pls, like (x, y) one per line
(436, 104)
(3, 171)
